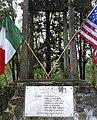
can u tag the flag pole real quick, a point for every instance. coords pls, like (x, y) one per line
(37, 59)
(62, 52)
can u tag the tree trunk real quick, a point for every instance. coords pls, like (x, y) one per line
(73, 52)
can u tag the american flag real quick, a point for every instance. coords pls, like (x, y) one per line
(89, 29)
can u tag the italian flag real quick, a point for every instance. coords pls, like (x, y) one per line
(10, 41)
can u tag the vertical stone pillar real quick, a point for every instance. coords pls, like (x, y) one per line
(24, 53)
(66, 54)
(31, 43)
(73, 51)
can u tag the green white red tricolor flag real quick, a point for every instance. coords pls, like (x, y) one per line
(10, 41)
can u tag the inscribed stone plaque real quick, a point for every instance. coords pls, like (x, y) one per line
(49, 101)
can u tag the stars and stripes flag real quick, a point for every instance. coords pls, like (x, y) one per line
(89, 29)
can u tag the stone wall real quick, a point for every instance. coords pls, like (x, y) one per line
(85, 101)
(13, 100)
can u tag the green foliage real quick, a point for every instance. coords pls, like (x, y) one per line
(91, 71)
(82, 6)
(39, 73)
(58, 75)
(6, 7)
(6, 78)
